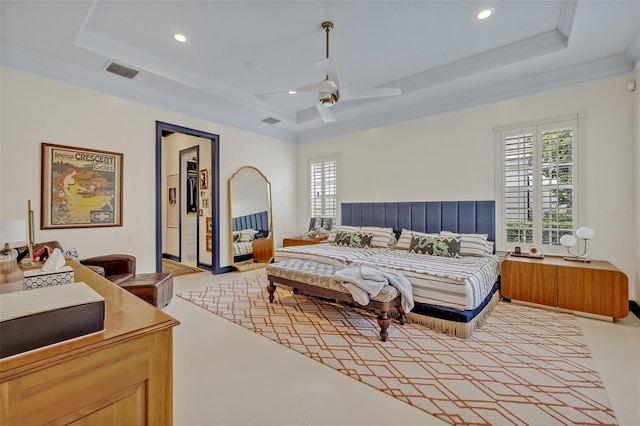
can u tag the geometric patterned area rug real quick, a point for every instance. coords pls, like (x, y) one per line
(176, 268)
(523, 366)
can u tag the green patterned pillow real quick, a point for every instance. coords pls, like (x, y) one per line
(445, 246)
(353, 239)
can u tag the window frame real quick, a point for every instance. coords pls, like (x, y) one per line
(537, 128)
(324, 159)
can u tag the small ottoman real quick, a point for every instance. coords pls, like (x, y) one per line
(155, 287)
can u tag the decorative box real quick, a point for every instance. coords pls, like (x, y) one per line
(37, 278)
(44, 316)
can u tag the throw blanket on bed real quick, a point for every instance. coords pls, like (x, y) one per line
(364, 280)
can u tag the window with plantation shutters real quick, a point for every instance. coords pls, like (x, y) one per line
(537, 183)
(323, 178)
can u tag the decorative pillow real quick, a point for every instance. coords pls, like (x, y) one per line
(353, 239)
(445, 246)
(236, 236)
(489, 248)
(72, 254)
(336, 228)
(381, 236)
(405, 238)
(247, 235)
(394, 241)
(472, 244)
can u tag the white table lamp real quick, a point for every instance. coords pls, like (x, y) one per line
(568, 241)
(11, 231)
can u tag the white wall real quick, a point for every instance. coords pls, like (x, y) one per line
(451, 157)
(36, 110)
(636, 113)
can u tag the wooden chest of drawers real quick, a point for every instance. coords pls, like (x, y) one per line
(595, 287)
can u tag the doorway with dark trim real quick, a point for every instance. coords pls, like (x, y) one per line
(164, 130)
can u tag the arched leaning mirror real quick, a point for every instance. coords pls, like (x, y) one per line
(251, 237)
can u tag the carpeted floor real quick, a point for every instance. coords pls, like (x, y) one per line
(524, 366)
(176, 268)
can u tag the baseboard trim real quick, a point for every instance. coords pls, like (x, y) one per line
(634, 308)
(226, 269)
(170, 257)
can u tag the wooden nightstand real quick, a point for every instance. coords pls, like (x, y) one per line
(595, 287)
(300, 241)
(262, 249)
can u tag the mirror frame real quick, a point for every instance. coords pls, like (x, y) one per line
(269, 210)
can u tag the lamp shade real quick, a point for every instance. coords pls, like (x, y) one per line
(568, 240)
(13, 231)
(585, 233)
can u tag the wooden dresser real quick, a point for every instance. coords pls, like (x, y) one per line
(595, 287)
(300, 241)
(123, 375)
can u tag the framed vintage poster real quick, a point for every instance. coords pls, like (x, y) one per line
(209, 242)
(81, 187)
(172, 206)
(209, 222)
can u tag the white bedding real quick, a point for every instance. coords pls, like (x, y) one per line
(242, 248)
(459, 283)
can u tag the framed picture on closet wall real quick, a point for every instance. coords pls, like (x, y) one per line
(204, 179)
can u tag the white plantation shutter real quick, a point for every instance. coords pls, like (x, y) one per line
(538, 179)
(519, 191)
(323, 178)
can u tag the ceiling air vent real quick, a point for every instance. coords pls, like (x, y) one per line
(121, 70)
(271, 120)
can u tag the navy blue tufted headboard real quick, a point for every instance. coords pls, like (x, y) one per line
(257, 221)
(469, 217)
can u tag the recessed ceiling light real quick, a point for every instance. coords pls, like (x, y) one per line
(292, 92)
(485, 13)
(181, 38)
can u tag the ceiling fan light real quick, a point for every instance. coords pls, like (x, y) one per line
(328, 99)
(180, 37)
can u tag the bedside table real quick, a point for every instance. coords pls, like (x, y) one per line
(300, 241)
(262, 249)
(597, 287)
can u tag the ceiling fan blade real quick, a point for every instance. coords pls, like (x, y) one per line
(320, 86)
(326, 115)
(328, 66)
(346, 95)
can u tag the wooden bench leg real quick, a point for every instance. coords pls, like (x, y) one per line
(271, 288)
(384, 322)
(403, 317)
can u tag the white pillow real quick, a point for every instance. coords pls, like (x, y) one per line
(247, 235)
(336, 228)
(405, 238)
(381, 236)
(472, 244)
(488, 248)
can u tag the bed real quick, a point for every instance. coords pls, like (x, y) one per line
(244, 230)
(453, 295)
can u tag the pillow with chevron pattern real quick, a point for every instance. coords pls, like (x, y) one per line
(445, 246)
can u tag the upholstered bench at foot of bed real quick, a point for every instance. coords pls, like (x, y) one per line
(155, 287)
(316, 279)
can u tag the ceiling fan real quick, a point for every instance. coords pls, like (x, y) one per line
(328, 90)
